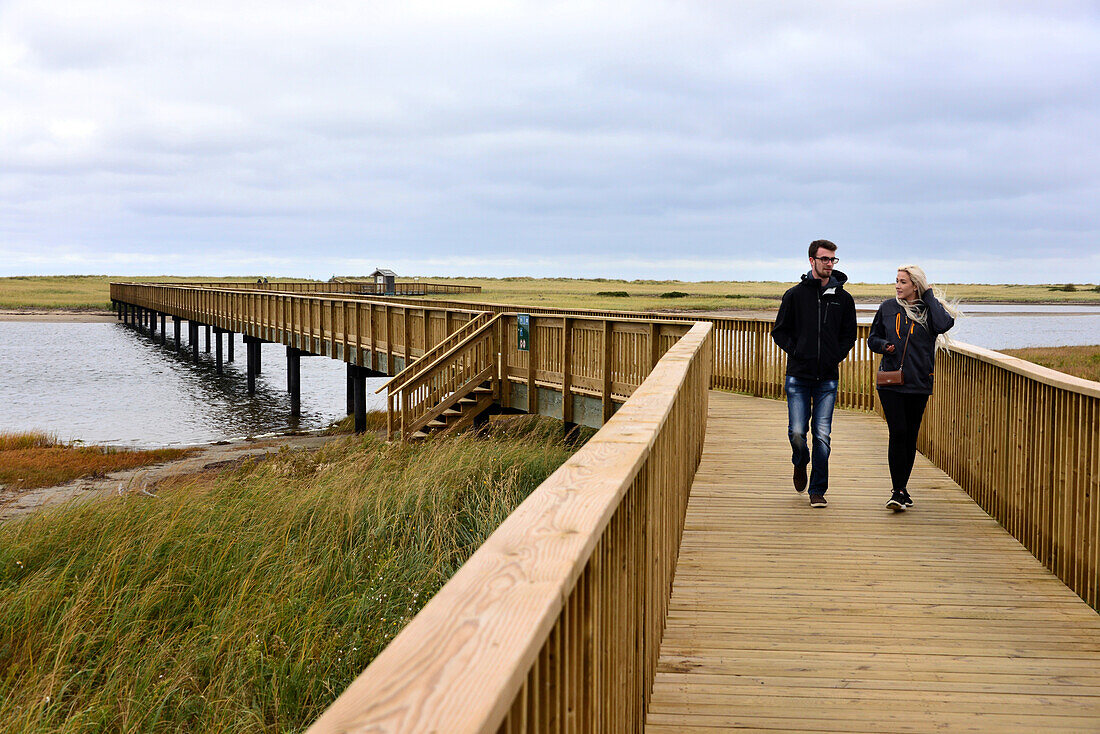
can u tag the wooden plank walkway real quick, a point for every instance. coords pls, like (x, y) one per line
(852, 618)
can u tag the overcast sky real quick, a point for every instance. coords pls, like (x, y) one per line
(690, 140)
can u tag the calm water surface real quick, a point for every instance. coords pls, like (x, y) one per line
(106, 383)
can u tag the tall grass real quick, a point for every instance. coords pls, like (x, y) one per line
(246, 602)
(1081, 361)
(35, 459)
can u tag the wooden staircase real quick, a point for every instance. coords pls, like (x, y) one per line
(461, 415)
(450, 387)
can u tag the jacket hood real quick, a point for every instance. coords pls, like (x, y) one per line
(837, 280)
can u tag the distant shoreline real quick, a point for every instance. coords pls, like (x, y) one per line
(58, 315)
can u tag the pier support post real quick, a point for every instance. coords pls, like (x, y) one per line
(176, 329)
(351, 388)
(218, 350)
(152, 324)
(208, 338)
(193, 339)
(294, 379)
(359, 378)
(251, 347)
(163, 331)
(229, 335)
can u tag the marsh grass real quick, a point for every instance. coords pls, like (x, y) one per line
(646, 295)
(1081, 362)
(93, 291)
(248, 601)
(29, 460)
(376, 421)
(78, 291)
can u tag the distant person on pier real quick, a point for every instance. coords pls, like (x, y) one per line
(816, 327)
(907, 330)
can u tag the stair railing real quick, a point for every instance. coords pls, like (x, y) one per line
(450, 377)
(428, 358)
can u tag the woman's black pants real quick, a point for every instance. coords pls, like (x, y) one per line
(904, 412)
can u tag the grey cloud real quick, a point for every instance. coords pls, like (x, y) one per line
(595, 132)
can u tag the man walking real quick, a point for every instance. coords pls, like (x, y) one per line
(816, 327)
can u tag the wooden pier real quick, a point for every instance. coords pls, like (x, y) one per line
(584, 612)
(854, 618)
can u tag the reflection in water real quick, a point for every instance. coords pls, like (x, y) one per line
(106, 383)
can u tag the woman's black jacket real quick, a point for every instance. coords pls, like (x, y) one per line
(892, 326)
(816, 327)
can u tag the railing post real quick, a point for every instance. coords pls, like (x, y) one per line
(758, 363)
(567, 372)
(532, 362)
(406, 335)
(607, 354)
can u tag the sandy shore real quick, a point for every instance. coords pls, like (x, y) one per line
(67, 316)
(19, 503)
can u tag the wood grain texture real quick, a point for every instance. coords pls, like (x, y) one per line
(853, 618)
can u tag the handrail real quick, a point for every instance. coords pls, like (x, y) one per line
(562, 608)
(398, 380)
(465, 374)
(450, 353)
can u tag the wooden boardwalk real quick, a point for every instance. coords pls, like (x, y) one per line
(852, 618)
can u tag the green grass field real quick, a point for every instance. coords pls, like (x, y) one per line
(245, 601)
(92, 291)
(643, 295)
(78, 291)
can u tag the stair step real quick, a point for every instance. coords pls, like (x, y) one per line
(418, 436)
(437, 424)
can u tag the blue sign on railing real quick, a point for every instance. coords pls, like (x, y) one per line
(523, 334)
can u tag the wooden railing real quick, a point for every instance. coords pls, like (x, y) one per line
(1024, 442)
(745, 357)
(571, 361)
(341, 285)
(554, 624)
(451, 376)
(359, 331)
(412, 288)
(429, 357)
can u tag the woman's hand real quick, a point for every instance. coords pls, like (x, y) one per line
(890, 349)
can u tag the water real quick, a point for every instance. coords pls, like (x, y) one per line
(107, 384)
(1016, 326)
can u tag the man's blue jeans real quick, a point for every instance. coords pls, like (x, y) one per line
(811, 401)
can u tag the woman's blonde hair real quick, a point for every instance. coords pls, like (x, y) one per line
(920, 280)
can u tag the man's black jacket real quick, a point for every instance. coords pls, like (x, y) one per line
(816, 327)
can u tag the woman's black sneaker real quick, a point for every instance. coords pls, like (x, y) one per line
(897, 501)
(906, 498)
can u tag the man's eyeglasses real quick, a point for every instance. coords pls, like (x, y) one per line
(828, 259)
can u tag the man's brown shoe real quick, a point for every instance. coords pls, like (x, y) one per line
(800, 478)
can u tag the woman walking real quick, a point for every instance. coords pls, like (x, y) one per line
(907, 331)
